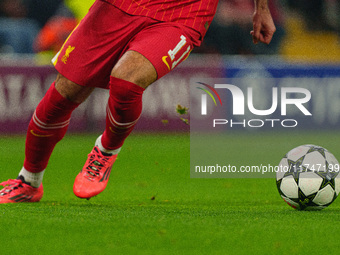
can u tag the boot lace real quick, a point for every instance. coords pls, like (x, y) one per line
(96, 164)
(10, 185)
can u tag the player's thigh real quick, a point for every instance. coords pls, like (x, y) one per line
(154, 52)
(72, 91)
(135, 68)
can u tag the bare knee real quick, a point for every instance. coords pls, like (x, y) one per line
(135, 68)
(72, 91)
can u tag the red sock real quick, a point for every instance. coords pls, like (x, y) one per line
(123, 110)
(46, 128)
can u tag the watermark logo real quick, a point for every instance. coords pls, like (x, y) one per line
(204, 97)
(243, 102)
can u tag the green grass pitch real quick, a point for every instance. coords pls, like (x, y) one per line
(151, 206)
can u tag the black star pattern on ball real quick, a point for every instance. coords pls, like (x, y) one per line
(295, 168)
(327, 178)
(305, 201)
(318, 149)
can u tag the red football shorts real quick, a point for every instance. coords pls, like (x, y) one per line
(106, 33)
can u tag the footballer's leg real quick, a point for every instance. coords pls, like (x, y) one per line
(129, 78)
(149, 56)
(47, 127)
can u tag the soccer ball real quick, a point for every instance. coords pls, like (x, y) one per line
(308, 178)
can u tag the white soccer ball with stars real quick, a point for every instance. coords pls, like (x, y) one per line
(308, 178)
